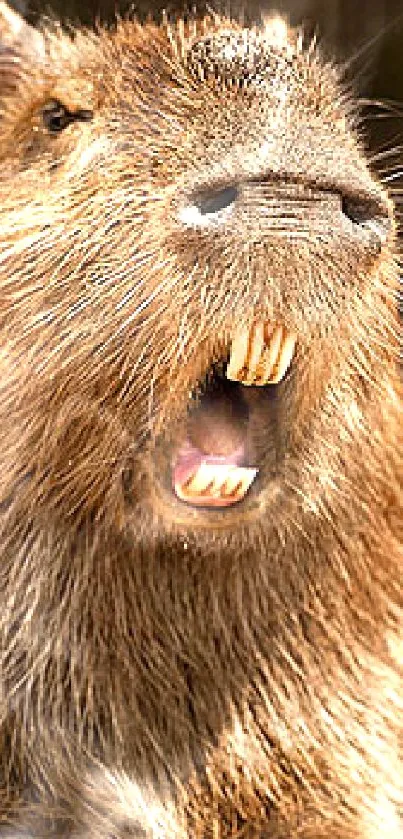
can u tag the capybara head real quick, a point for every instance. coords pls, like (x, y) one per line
(200, 454)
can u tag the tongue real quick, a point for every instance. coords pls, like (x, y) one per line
(211, 480)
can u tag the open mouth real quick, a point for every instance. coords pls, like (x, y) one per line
(219, 460)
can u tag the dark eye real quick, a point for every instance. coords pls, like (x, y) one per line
(56, 117)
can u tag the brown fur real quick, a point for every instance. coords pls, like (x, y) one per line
(168, 672)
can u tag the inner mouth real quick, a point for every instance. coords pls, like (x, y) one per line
(218, 462)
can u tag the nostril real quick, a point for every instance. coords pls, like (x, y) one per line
(369, 212)
(206, 205)
(215, 200)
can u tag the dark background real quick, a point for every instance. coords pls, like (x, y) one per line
(368, 32)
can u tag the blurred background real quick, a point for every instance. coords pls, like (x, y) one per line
(367, 33)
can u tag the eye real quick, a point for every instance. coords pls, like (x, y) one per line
(56, 117)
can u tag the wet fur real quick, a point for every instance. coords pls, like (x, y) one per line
(162, 676)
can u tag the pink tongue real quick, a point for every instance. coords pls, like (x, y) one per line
(207, 480)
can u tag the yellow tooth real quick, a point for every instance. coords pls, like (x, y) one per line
(261, 355)
(200, 480)
(232, 481)
(270, 356)
(256, 349)
(239, 356)
(285, 357)
(245, 483)
(215, 481)
(215, 490)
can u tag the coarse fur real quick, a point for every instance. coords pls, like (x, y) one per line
(167, 671)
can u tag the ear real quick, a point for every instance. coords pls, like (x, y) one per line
(17, 37)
